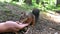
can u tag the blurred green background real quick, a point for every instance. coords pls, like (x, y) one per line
(30, 4)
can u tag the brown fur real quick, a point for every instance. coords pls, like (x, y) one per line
(30, 18)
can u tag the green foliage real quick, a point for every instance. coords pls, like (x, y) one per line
(43, 4)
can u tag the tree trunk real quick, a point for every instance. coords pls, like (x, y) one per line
(16, 0)
(37, 1)
(58, 2)
(28, 2)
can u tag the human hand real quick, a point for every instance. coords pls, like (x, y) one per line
(13, 26)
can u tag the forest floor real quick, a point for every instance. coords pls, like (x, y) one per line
(48, 23)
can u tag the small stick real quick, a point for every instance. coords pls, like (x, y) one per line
(16, 32)
(27, 31)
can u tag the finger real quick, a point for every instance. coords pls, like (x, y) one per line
(17, 22)
(21, 26)
(20, 23)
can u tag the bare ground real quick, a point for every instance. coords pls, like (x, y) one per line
(46, 26)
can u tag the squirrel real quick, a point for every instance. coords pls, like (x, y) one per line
(30, 18)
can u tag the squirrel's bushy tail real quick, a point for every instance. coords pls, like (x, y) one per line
(36, 12)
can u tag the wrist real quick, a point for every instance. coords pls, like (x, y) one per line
(3, 28)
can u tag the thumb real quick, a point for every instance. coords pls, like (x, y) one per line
(21, 26)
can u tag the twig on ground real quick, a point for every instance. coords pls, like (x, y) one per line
(27, 31)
